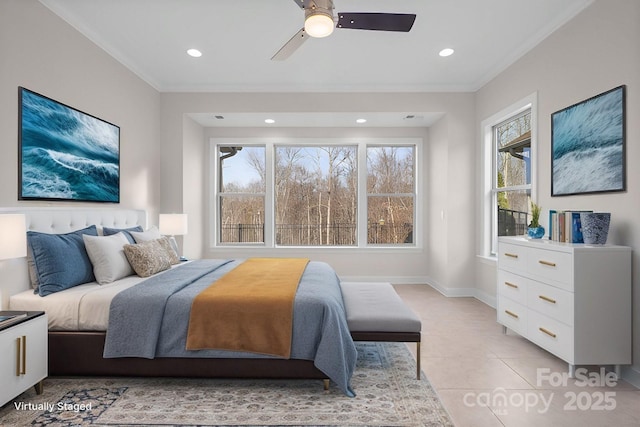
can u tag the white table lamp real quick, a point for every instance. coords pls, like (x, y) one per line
(173, 225)
(13, 236)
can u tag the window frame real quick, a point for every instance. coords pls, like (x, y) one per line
(489, 238)
(269, 233)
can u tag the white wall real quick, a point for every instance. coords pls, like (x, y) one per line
(43, 53)
(596, 51)
(194, 188)
(401, 267)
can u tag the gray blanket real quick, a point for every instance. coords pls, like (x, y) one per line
(161, 304)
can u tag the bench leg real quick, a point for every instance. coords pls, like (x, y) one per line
(418, 360)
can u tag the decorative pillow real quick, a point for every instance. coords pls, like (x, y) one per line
(148, 258)
(33, 273)
(110, 231)
(61, 260)
(167, 244)
(107, 256)
(144, 236)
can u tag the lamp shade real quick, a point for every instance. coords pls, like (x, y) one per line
(318, 23)
(173, 224)
(13, 236)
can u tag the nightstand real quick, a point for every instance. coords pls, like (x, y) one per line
(23, 345)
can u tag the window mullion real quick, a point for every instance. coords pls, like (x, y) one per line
(363, 207)
(269, 197)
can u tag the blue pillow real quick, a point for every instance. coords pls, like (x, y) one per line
(109, 231)
(61, 260)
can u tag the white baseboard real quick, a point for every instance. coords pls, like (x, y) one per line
(396, 280)
(490, 300)
(486, 298)
(631, 374)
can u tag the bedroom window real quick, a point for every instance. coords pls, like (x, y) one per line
(314, 193)
(390, 194)
(509, 151)
(241, 193)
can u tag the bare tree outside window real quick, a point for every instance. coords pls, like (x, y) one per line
(315, 194)
(390, 195)
(241, 187)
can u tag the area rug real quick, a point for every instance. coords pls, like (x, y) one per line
(388, 394)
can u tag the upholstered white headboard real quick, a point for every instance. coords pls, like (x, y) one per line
(14, 275)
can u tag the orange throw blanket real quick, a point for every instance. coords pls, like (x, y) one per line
(248, 309)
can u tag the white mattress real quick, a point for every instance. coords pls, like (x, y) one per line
(81, 308)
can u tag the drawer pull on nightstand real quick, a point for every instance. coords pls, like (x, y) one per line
(21, 356)
(18, 360)
(511, 285)
(545, 331)
(510, 255)
(547, 299)
(24, 355)
(511, 314)
(549, 263)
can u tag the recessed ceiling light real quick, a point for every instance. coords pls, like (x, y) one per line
(446, 52)
(361, 121)
(194, 52)
(269, 121)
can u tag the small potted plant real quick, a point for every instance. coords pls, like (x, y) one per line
(535, 230)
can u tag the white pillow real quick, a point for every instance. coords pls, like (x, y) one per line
(144, 236)
(107, 256)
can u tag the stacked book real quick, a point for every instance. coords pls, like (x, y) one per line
(7, 319)
(565, 226)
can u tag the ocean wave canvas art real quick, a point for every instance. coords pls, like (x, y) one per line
(588, 145)
(66, 154)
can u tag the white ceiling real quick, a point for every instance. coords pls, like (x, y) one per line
(238, 38)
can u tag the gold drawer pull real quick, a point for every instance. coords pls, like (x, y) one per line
(511, 285)
(511, 255)
(545, 331)
(511, 314)
(551, 300)
(18, 360)
(549, 263)
(24, 355)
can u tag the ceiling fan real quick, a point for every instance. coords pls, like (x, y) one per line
(319, 22)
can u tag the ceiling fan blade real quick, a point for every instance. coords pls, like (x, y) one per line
(376, 21)
(300, 3)
(289, 47)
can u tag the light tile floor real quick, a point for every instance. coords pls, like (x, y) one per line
(487, 378)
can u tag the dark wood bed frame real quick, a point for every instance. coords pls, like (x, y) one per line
(80, 354)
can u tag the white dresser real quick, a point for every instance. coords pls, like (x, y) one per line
(573, 300)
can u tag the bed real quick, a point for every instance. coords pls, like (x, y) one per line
(79, 317)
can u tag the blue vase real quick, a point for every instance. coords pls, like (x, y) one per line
(535, 232)
(595, 227)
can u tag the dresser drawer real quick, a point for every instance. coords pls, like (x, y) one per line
(512, 315)
(552, 266)
(550, 334)
(512, 286)
(551, 301)
(512, 257)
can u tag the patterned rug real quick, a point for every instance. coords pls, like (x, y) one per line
(388, 394)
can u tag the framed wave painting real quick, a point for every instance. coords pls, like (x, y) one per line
(588, 145)
(65, 154)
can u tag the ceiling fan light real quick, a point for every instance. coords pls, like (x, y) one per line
(318, 23)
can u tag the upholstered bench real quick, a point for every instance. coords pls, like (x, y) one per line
(375, 312)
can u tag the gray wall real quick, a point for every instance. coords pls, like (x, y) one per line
(596, 51)
(43, 53)
(454, 159)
